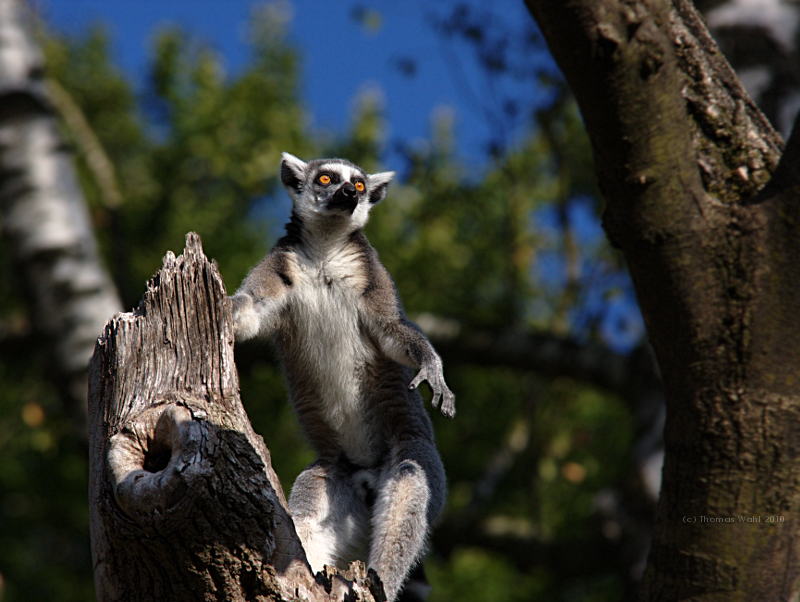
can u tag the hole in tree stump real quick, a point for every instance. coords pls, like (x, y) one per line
(156, 458)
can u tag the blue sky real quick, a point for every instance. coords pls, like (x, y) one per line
(341, 58)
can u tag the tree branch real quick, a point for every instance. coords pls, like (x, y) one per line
(735, 144)
(100, 166)
(630, 376)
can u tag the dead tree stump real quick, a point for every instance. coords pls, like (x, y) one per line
(184, 502)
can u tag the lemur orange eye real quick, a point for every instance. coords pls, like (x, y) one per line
(324, 179)
(360, 186)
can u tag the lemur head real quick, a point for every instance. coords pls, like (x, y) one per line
(332, 191)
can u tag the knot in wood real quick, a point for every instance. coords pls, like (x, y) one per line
(151, 459)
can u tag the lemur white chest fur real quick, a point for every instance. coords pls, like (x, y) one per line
(324, 311)
(332, 311)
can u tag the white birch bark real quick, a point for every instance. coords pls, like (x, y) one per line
(45, 221)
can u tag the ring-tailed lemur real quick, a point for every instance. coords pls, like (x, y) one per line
(333, 313)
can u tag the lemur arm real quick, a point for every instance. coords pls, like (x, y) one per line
(263, 294)
(400, 339)
(403, 340)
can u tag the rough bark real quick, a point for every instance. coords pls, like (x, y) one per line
(681, 154)
(760, 41)
(45, 222)
(184, 502)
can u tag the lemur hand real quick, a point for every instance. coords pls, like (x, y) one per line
(433, 373)
(246, 321)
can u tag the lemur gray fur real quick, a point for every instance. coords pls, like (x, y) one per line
(346, 347)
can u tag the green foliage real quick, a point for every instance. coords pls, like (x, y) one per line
(584, 438)
(475, 575)
(44, 518)
(468, 242)
(196, 155)
(199, 150)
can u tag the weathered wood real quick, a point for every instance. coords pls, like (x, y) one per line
(185, 504)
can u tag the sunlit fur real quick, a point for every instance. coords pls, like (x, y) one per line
(347, 350)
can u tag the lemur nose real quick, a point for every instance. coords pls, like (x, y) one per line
(349, 190)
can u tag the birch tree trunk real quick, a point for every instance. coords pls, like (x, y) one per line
(708, 226)
(45, 222)
(184, 502)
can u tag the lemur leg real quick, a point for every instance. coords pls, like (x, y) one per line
(330, 513)
(411, 495)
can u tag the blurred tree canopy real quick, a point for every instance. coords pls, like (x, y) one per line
(517, 249)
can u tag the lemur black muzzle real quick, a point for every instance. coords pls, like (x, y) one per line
(344, 199)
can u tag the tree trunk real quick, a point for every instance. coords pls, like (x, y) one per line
(184, 502)
(46, 224)
(683, 155)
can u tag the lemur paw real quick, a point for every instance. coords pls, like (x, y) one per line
(448, 408)
(245, 318)
(435, 376)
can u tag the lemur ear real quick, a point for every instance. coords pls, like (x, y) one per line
(377, 184)
(292, 172)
